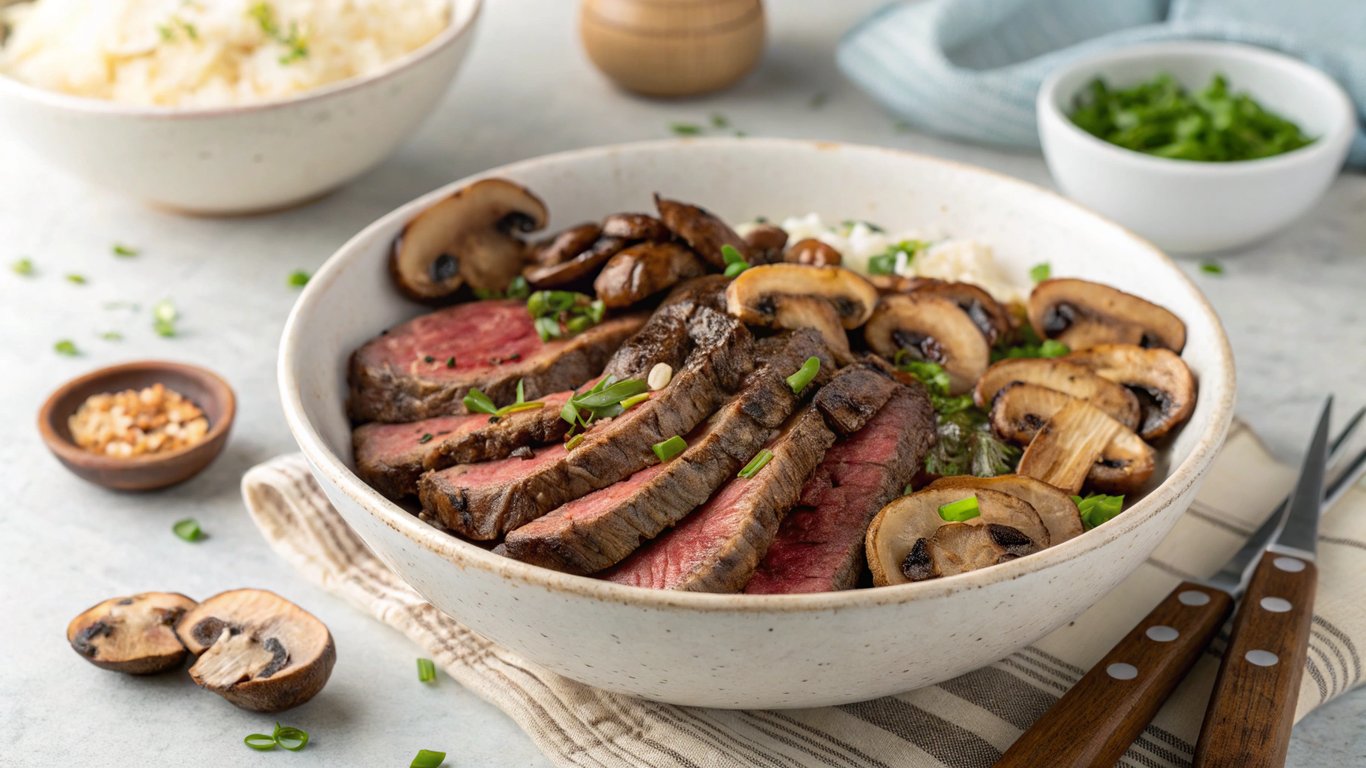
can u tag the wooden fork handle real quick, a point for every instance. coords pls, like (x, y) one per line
(1095, 722)
(1252, 708)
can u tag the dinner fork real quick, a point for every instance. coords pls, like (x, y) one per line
(1122, 693)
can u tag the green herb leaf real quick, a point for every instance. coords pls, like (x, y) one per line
(188, 529)
(547, 328)
(1041, 272)
(477, 402)
(111, 336)
(262, 742)
(164, 316)
(290, 738)
(610, 395)
(719, 120)
(1211, 267)
(66, 347)
(760, 460)
(298, 278)
(427, 758)
(519, 288)
(685, 129)
(574, 441)
(426, 670)
(23, 267)
(897, 257)
(124, 251)
(669, 448)
(960, 511)
(1098, 508)
(932, 375)
(804, 375)
(78, 279)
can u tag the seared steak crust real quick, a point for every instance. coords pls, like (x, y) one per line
(866, 387)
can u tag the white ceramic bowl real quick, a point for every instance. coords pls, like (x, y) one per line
(1195, 207)
(248, 158)
(742, 650)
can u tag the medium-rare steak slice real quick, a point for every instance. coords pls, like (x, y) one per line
(718, 546)
(485, 501)
(819, 547)
(390, 457)
(422, 368)
(598, 530)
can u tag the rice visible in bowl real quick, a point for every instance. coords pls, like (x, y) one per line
(209, 53)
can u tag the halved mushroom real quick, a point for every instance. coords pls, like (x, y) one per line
(643, 270)
(1082, 314)
(133, 634)
(581, 267)
(958, 548)
(565, 245)
(933, 329)
(466, 239)
(904, 522)
(830, 299)
(812, 252)
(1062, 376)
(986, 312)
(766, 243)
(1055, 508)
(257, 650)
(636, 227)
(701, 229)
(1161, 379)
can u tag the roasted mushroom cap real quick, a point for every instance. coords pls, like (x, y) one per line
(565, 245)
(986, 312)
(466, 239)
(701, 229)
(257, 649)
(636, 227)
(1164, 383)
(1055, 508)
(959, 547)
(830, 299)
(933, 329)
(907, 520)
(812, 252)
(134, 634)
(1066, 377)
(766, 243)
(1083, 314)
(643, 270)
(580, 267)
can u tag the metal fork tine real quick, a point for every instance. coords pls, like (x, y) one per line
(1347, 430)
(1343, 481)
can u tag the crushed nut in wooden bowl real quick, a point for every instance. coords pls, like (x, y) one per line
(137, 422)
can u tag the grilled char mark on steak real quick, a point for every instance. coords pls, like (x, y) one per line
(485, 501)
(819, 547)
(719, 545)
(424, 367)
(598, 530)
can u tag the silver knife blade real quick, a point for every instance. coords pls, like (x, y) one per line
(1301, 529)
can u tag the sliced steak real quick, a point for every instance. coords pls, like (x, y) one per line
(484, 501)
(819, 547)
(600, 529)
(866, 387)
(718, 546)
(422, 368)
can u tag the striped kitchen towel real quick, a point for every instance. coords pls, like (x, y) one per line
(971, 68)
(962, 723)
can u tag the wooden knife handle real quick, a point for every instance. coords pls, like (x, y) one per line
(1095, 722)
(1252, 708)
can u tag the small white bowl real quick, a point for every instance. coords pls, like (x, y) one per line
(1197, 207)
(247, 158)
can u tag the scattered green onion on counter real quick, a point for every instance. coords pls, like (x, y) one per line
(164, 315)
(298, 278)
(290, 738)
(23, 267)
(66, 347)
(124, 251)
(1211, 267)
(960, 511)
(426, 670)
(804, 375)
(428, 758)
(188, 530)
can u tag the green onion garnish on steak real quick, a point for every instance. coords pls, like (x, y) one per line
(477, 402)
(804, 375)
(669, 448)
(760, 460)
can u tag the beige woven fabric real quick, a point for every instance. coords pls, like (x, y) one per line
(963, 723)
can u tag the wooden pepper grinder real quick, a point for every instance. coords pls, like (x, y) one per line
(673, 47)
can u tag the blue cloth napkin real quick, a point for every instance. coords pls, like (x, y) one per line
(970, 69)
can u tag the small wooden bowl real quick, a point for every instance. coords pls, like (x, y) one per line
(204, 388)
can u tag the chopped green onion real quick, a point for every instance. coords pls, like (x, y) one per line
(290, 738)
(111, 336)
(547, 328)
(426, 438)
(66, 347)
(78, 279)
(1211, 267)
(804, 375)
(961, 510)
(450, 361)
(188, 530)
(1041, 272)
(518, 288)
(887, 262)
(164, 315)
(932, 375)
(477, 402)
(124, 251)
(732, 255)
(719, 120)
(427, 758)
(685, 129)
(23, 267)
(908, 489)
(426, 670)
(760, 460)
(669, 448)
(734, 269)
(634, 400)
(818, 99)
(574, 441)
(1053, 348)
(262, 742)
(1098, 508)
(578, 324)
(298, 278)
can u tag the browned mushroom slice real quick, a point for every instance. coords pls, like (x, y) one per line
(1083, 314)
(1066, 377)
(701, 229)
(933, 329)
(1022, 410)
(986, 312)
(466, 239)
(1055, 508)
(580, 268)
(830, 299)
(766, 243)
(643, 270)
(564, 246)
(907, 520)
(812, 252)
(636, 227)
(133, 634)
(886, 284)
(257, 650)
(1164, 383)
(959, 547)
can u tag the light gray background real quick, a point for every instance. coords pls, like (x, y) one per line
(1293, 307)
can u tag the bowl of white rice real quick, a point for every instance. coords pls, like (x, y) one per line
(225, 106)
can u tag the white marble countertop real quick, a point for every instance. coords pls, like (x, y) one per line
(1293, 307)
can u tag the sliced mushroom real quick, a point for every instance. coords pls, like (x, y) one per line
(134, 634)
(893, 283)
(1055, 508)
(701, 229)
(958, 548)
(907, 520)
(986, 312)
(579, 268)
(1066, 377)
(1161, 379)
(636, 227)
(564, 246)
(1083, 314)
(257, 649)
(812, 252)
(466, 239)
(830, 299)
(930, 328)
(644, 269)
(766, 243)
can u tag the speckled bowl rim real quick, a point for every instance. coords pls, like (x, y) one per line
(1220, 378)
(60, 100)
